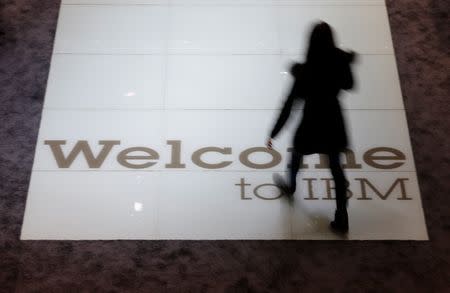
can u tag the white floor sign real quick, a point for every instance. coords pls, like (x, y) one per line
(157, 112)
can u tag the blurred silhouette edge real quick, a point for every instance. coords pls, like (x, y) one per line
(322, 130)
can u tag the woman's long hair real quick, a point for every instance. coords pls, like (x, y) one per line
(321, 44)
(323, 67)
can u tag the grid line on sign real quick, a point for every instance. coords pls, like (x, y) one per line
(200, 54)
(165, 97)
(302, 3)
(166, 59)
(109, 4)
(193, 109)
(220, 171)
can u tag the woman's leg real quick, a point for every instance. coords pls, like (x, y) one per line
(296, 161)
(340, 223)
(340, 182)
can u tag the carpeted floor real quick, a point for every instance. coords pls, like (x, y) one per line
(421, 35)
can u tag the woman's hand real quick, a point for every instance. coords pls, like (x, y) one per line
(269, 144)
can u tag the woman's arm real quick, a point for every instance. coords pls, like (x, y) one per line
(347, 81)
(285, 112)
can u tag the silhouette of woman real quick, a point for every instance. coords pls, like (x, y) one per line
(322, 129)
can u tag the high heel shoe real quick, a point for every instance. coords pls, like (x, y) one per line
(340, 223)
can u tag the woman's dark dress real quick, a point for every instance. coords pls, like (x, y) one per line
(322, 129)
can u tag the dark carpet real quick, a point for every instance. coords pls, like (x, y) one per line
(421, 36)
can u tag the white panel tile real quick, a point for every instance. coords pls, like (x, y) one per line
(131, 128)
(224, 82)
(223, 29)
(208, 206)
(241, 130)
(111, 29)
(364, 29)
(106, 81)
(377, 85)
(91, 205)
